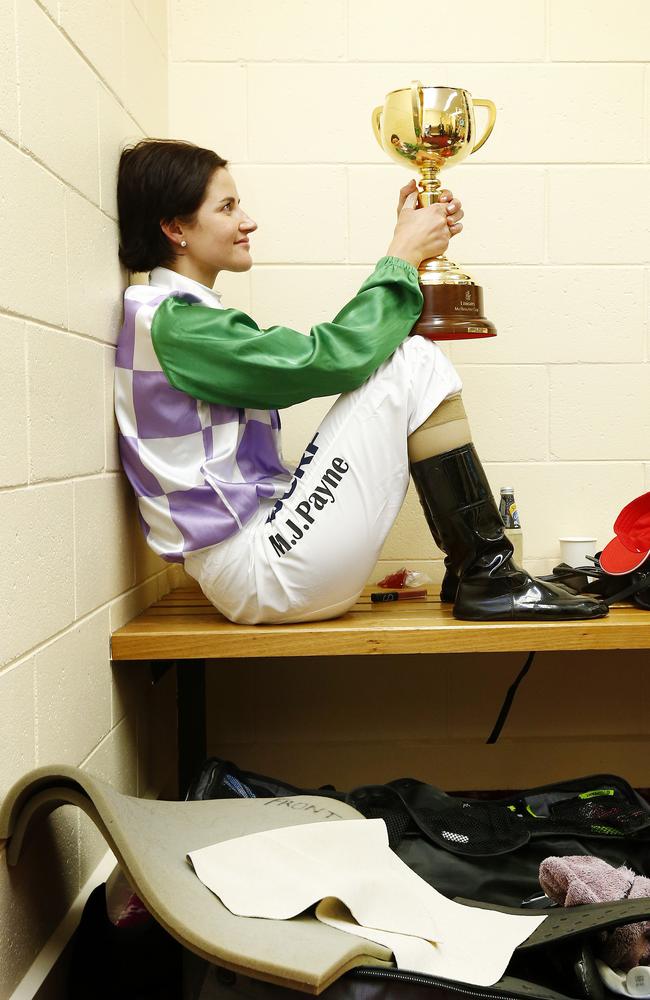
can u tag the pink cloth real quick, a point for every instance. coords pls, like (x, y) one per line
(573, 881)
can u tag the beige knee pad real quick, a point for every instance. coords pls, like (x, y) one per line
(446, 428)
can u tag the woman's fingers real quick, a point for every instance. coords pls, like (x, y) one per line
(452, 205)
(404, 192)
(454, 213)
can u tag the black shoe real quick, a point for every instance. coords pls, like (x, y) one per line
(466, 525)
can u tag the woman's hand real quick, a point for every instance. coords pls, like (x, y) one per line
(424, 232)
(454, 208)
(454, 211)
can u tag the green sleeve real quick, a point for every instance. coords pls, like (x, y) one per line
(222, 356)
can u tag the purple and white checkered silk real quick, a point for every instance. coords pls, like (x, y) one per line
(199, 470)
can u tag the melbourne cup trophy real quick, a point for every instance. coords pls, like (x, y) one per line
(430, 129)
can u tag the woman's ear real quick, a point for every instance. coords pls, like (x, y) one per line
(172, 230)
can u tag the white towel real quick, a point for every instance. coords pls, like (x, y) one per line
(280, 873)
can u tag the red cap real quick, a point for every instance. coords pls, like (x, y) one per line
(631, 547)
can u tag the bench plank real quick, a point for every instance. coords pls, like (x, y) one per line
(185, 626)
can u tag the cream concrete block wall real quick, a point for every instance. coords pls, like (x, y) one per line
(78, 81)
(557, 227)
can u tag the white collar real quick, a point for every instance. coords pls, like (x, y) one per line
(164, 277)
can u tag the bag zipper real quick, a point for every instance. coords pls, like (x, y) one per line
(447, 984)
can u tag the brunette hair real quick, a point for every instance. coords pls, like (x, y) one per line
(159, 180)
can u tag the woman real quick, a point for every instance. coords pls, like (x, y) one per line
(198, 387)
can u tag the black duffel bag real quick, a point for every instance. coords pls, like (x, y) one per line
(483, 852)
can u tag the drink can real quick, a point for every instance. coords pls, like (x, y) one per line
(508, 508)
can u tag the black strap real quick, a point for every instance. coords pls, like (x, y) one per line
(637, 580)
(509, 698)
(562, 923)
(639, 584)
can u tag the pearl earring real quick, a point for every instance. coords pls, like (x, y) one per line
(183, 243)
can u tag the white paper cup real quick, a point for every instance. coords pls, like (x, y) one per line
(574, 549)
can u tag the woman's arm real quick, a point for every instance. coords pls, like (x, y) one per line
(221, 356)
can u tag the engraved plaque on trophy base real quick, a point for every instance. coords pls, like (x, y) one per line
(453, 312)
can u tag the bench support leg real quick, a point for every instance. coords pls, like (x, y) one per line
(190, 703)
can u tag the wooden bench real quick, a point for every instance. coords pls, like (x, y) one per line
(184, 630)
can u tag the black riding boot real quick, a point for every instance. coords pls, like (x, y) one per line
(466, 525)
(450, 580)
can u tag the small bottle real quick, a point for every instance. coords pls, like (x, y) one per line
(511, 523)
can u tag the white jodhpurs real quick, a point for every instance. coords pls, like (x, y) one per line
(308, 556)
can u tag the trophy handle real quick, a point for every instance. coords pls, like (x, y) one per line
(416, 107)
(492, 111)
(376, 118)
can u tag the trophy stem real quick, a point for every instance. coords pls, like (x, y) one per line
(430, 185)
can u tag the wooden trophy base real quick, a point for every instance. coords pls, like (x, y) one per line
(453, 312)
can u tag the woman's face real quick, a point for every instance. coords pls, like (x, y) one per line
(218, 239)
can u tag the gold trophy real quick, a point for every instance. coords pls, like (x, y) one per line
(430, 129)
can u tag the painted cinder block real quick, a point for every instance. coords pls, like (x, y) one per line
(600, 412)
(507, 407)
(155, 15)
(116, 130)
(65, 439)
(317, 721)
(17, 723)
(29, 915)
(35, 284)
(647, 117)
(251, 31)
(555, 113)
(332, 104)
(301, 212)
(599, 215)
(300, 297)
(126, 606)
(92, 847)
(373, 198)
(504, 209)
(299, 424)
(9, 78)
(73, 681)
(145, 77)
(410, 537)
(114, 759)
(95, 306)
(58, 111)
(146, 562)
(97, 30)
(13, 403)
(37, 581)
(111, 452)
(545, 113)
(647, 312)
(548, 314)
(52, 7)
(599, 31)
(566, 498)
(321, 127)
(223, 129)
(546, 701)
(507, 32)
(104, 527)
(235, 289)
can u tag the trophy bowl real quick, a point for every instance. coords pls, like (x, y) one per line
(430, 129)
